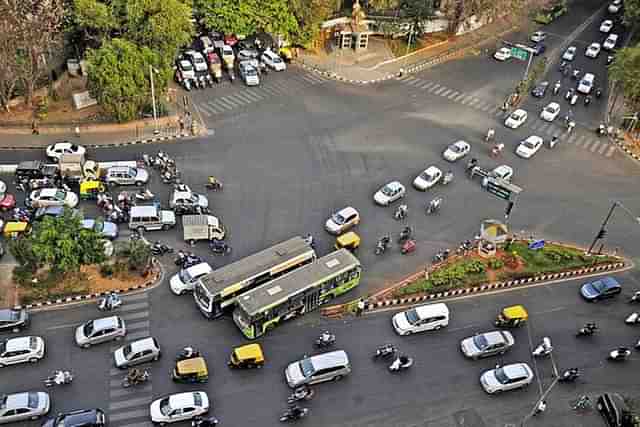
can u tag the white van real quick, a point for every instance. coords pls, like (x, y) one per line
(586, 84)
(186, 278)
(422, 318)
(330, 366)
(146, 218)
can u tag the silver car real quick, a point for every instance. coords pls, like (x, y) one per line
(136, 352)
(100, 330)
(23, 406)
(21, 350)
(487, 344)
(126, 175)
(507, 377)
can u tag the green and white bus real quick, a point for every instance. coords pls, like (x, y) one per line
(297, 293)
(216, 292)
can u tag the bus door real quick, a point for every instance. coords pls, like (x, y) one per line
(312, 300)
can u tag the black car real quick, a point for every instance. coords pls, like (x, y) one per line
(540, 90)
(538, 48)
(13, 320)
(614, 410)
(80, 418)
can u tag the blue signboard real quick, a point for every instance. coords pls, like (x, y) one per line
(536, 245)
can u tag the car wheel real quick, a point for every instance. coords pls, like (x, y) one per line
(337, 378)
(2, 365)
(140, 230)
(139, 183)
(118, 338)
(155, 359)
(87, 345)
(437, 328)
(165, 227)
(33, 360)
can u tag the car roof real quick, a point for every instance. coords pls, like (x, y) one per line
(79, 417)
(503, 169)
(17, 400)
(144, 211)
(143, 344)
(461, 143)
(394, 185)
(431, 309)
(333, 358)
(432, 169)
(105, 322)
(516, 370)
(50, 210)
(64, 144)
(8, 313)
(182, 194)
(180, 400)
(347, 211)
(534, 138)
(608, 281)
(199, 269)
(520, 111)
(554, 104)
(49, 191)
(18, 343)
(494, 337)
(120, 168)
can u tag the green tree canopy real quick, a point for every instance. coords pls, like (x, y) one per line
(118, 77)
(309, 15)
(632, 12)
(418, 12)
(625, 70)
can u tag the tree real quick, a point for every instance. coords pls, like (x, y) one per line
(118, 77)
(309, 15)
(61, 244)
(138, 253)
(632, 12)
(418, 12)
(625, 71)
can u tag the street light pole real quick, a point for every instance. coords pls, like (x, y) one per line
(153, 99)
(603, 230)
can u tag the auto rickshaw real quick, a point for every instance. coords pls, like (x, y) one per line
(512, 317)
(349, 241)
(14, 229)
(192, 370)
(90, 189)
(215, 66)
(246, 356)
(286, 53)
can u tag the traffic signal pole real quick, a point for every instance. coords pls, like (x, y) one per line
(603, 231)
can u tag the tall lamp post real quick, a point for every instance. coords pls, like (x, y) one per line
(603, 228)
(153, 99)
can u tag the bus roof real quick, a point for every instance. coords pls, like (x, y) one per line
(278, 290)
(245, 268)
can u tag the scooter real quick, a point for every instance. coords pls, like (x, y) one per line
(556, 88)
(159, 248)
(126, 383)
(635, 297)
(448, 177)
(199, 421)
(601, 130)
(209, 80)
(293, 415)
(441, 256)
(587, 330)
(571, 126)
(434, 205)
(576, 74)
(574, 99)
(325, 340)
(110, 302)
(464, 247)
(544, 348)
(401, 363)
(186, 260)
(401, 212)
(219, 247)
(405, 234)
(382, 245)
(301, 393)
(570, 375)
(587, 100)
(385, 351)
(145, 195)
(632, 319)
(187, 353)
(187, 84)
(568, 95)
(598, 93)
(619, 354)
(408, 247)
(58, 378)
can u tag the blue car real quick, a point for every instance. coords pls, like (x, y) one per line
(605, 287)
(108, 229)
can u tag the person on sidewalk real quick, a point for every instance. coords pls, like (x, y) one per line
(34, 128)
(360, 307)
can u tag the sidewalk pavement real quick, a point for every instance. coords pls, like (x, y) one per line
(361, 68)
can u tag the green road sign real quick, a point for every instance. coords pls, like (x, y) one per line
(519, 53)
(503, 189)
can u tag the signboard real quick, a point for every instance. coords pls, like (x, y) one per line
(519, 53)
(536, 245)
(502, 189)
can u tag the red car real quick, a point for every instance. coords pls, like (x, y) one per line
(7, 201)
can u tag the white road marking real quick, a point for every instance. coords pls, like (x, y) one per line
(453, 95)
(459, 97)
(610, 152)
(603, 148)
(553, 310)
(69, 325)
(434, 88)
(595, 145)
(128, 403)
(129, 391)
(129, 414)
(132, 316)
(426, 85)
(445, 93)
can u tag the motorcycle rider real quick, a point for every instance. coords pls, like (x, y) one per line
(570, 126)
(587, 100)
(189, 352)
(404, 359)
(598, 92)
(602, 130)
(296, 411)
(309, 239)
(497, 149)
(556, 87)
(402, 211)
(326, 337)
(591, 326)
(553, 142)
(406, 233)
(434, 204)
(490, 134)
(135, 376)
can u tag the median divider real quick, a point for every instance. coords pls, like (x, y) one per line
(342, 309)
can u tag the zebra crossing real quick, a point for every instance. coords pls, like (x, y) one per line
(129, 407)
(250, 95)
(541, 128)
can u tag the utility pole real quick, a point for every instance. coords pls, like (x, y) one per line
(153, 100)
(603, 228)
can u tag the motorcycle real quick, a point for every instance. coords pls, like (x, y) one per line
(632, 319)
(619, 354)
(598, 93)
(219, 247)
(382, 245)
(587, 330)
(401, 212)
(21, 215)
(574, 99)
(213, 184)
(405, 234)
(434, 205)
(568, 95)
(464, 247)
(570, 126)
(489, 136)
(576, 74)
(587, 100)
(169, 177)
(448, 177)
(110, 302)
(441, 256)
(232, 76)
(556, 88)
(309, 240)
(570, 375)
(129, 381)
(199, 421)
(496, 150)
(385, 351)
(185, 260)
(159, 248)
(562, 65)
(187, 84)
(635, 297)
(145, 195)
(609, 59)
(401, 363)
(293, 414)
(58, 378)
(209, 80)
(544, 348)
(301, 393)
(325, 340)
(187, 353)
(118, 215)
(601, 130)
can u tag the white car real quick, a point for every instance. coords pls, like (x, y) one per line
(516, 119)
(502, 54)
(52, 197)
(586, 83)
(456, 151)
(503, 172)
(610, 42)
(529, 147)
(428, 178)
(28, 405)
(197, 60)
(227, 54)
(606, 26)
(615, 6)
(273, 60)
(55, 151)
(179, 407)
(550, 112)
(593, 50)
(422, 318)
(184, 281)
(185, 70)
(538, 36)
(570, 53)
(3, 188)
(507, 377)
(21, 350)
(389, 193)
(249, 74)
(342, 221)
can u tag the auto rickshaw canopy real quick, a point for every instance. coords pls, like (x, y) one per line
(515, 312)
(191, 370)
(249, 355)
(89, 189)
(14, 228)
(350, 241)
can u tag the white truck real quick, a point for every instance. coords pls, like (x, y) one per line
(202, 227)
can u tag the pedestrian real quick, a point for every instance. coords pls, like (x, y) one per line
(181, 121)
(34, 128)
(360, 307)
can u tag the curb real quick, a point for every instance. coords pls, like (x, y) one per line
(87, 297)
(624, 148)
(109, 145)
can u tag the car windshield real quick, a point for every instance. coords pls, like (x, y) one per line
(3, 402)
(275, 59)
(412, 317)
(338, 219)
(184, 275)
(426, 176)
(387, 190)
(550, 109)
(198, 59)
(165, 408)
(186, 66)
(530, 145)
(455, 148)
(126, 351)
(599, 286)
(307, 367)
(88, 329)
(250, 71)
(516, 116)
(60, 195)
(480, 342)
(2, 347)
(197, 399)
(501, 376)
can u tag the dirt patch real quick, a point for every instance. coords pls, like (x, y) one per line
(632, 143)
(8, 290)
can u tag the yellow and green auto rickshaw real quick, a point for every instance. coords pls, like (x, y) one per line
(246, 356)
(192, 370)
(512, 317)
(90, 189)
(15, 229)
(349, 241)
(286, 53)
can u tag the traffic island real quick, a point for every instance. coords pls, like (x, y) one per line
(512, 264)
